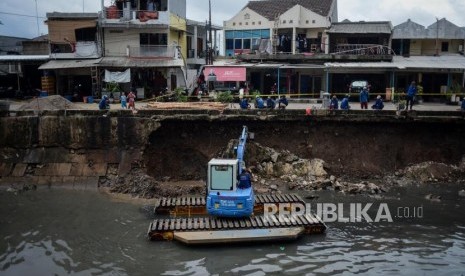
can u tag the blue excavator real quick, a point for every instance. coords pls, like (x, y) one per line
(225, 197)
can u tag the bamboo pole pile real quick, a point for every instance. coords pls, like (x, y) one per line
(188, 105)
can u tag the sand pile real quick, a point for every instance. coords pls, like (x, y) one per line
(54, 102)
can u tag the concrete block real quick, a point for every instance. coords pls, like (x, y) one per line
(62, 169)
(127, 157)
(19, 169)
(34, 156)
(98, 169)
(76, 169)
(44, 181)
(5, 169)
(84, 183)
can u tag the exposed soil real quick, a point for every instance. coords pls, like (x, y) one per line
(358, 157)
(181, 150)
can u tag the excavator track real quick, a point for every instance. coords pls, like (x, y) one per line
(197, 206)
(207, 230)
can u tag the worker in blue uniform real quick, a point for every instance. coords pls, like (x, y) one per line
(334, 104)
(104, 103)
(245, 179)
(259, 103)
(379, 105)
(244, 103)
(345, 103)
(282, 103)
(270, 103)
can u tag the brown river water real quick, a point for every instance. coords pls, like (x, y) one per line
(66, 232)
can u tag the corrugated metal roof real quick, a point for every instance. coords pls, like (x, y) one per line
(375, 27)
(419, 62)
(63, 64)
(71, 15)
(23, 57)
(270, 9)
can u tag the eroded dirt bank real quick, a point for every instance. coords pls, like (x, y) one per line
(160, 156)
(180, 150)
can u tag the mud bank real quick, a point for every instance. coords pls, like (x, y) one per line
(140, 154)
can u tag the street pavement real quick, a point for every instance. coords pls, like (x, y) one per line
(293, 104)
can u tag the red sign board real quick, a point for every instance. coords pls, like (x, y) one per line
(226, 73)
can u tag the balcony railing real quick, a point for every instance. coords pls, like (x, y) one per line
(80, 49)
(158, 51)
(129, 14)
(362, 49)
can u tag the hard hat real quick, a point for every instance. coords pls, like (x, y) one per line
(379, 97)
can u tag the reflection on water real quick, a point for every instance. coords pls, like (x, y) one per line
(53, 232)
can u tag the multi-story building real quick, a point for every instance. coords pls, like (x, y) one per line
(301, 48)
(130, 45)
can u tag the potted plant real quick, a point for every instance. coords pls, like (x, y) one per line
(419, 97)
(399, 99)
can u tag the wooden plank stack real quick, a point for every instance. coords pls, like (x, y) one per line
(188, 105)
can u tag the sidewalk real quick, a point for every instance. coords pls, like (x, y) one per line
(14, 105)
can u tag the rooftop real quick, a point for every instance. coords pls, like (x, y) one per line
(362, 27)
(273, 8)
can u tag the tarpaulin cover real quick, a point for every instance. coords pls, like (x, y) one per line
(226, 73)
(124, 76)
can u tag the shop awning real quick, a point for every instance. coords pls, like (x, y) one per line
(63, 64)
(123, 62)
(226, 73)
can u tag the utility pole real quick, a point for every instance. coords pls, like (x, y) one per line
(210, 38)
(37, 19)
(437, 36)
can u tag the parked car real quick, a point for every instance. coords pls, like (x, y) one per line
(356, 87)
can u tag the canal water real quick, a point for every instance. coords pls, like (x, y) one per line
(63, 232)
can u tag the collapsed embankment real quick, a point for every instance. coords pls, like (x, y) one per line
(136, 153)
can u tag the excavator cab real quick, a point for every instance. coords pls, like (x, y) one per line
(224, 197)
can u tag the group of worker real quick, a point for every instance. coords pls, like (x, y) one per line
(334, 103)
(261, 103)
(131, 98)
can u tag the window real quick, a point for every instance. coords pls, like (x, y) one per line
(234, 23)
(221, 177)
(291, 21)
(284, 21)
(240, 23)
(445, 46)
(246, 16)
(313, 21)
(307, 21)
(259, 22)
(153, 39)
(86, 34)
(237, 43)
(253, 23)
(246, 43)
(229, 44)
(246, 23)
